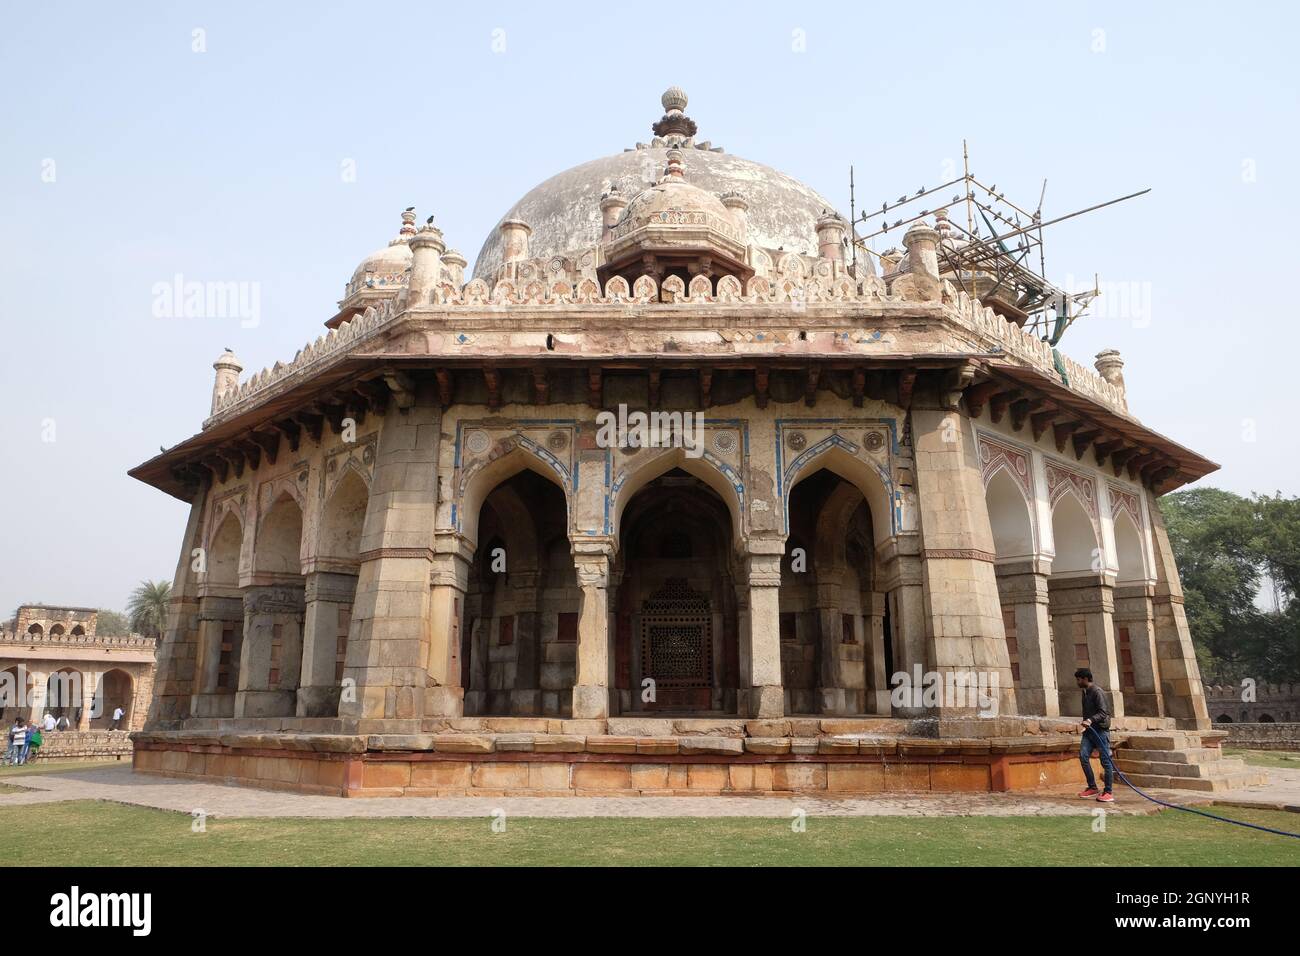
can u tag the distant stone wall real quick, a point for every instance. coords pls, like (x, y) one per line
(1278, 703)
(1262, 736)
(83, 745)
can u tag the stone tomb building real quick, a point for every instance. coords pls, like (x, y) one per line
(52, 659)
(425, 571)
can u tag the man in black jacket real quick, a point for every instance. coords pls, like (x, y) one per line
(1096, 735)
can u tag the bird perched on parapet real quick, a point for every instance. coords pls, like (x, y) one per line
(410, 209)
(429, 221)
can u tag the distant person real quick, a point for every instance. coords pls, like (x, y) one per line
(49, 722)
(117, 719)
(17, 742)
(1096, 735)
(63, 723)
(34, 741)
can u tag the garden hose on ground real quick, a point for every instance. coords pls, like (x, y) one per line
(1173, 806)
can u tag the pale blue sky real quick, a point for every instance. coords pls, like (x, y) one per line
(225, 166)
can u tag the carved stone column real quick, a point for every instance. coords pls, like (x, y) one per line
(963, 616)
(1135, 639)
(875, 671)
(900, 578)
(450, 579)
(174, 676)
(1083, 629)
(329, 597)
(761, 636)
(1180, 676)
(221, 623)
(272, 652)
(591, 690)
(1022, 588)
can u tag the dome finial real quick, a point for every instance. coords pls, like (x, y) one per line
(674, 123)
(408, 226)
(674, 98)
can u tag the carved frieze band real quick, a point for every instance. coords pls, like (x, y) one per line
(970, 554)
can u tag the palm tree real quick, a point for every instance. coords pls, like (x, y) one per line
(147, 607)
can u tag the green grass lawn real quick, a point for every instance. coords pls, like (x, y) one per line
(57, 766)
(1266, 758)
(90, 833)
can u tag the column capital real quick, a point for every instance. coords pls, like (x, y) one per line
(450, 570)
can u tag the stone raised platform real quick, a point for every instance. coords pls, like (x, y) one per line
(635, 756)
(67, 745)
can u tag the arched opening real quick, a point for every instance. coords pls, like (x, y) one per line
(519, 639)
(331, 590)
(1077, 549)
(16, 686)
(78, 631)
(1223, 719)
(1266, 718)
(1015, 548)
(221, 621)
(57, 630)
(271, 654)
(676, 641)
(834, 658)
(64, 696)
(1129, 551)
(115, 691)
(36, 630)
(1082, 630)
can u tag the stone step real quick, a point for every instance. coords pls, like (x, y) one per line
(1181, 770)
(1174, 740)
(1217, 784)
(1190, 755)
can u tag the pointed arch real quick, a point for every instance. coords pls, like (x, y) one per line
(837, 455)
(1129, 551)
(1010, 514)
(709, 469)
(1075, 535)
(279, 537)
(223, 551)
(343, 516)
(479, 482)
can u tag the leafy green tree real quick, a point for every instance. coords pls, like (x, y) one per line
(147, 607)
(112, 623)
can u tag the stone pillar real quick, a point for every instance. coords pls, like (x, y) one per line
(514, 240)
(92, 704)
(612, 205)
(1180, 676)
(963, 616)
(1082, 610)
(33, 708)
(227, 377)
(329, 597)
(761, 634)
(272, 651)
(591, 690)
(177, 651)
(216, 614)
(1135, 640)
(427, 248)
(900, 577)
(738, 208)
(386, 674)
(1022, 589)
(450, 577)
(875, 674)
(922, 245)
(830, 237)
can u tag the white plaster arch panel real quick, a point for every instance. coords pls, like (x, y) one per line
(997, 456)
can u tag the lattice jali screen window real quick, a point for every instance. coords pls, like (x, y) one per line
(677, 638)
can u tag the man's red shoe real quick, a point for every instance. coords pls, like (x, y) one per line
(1106, 798)
(1089, 792)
